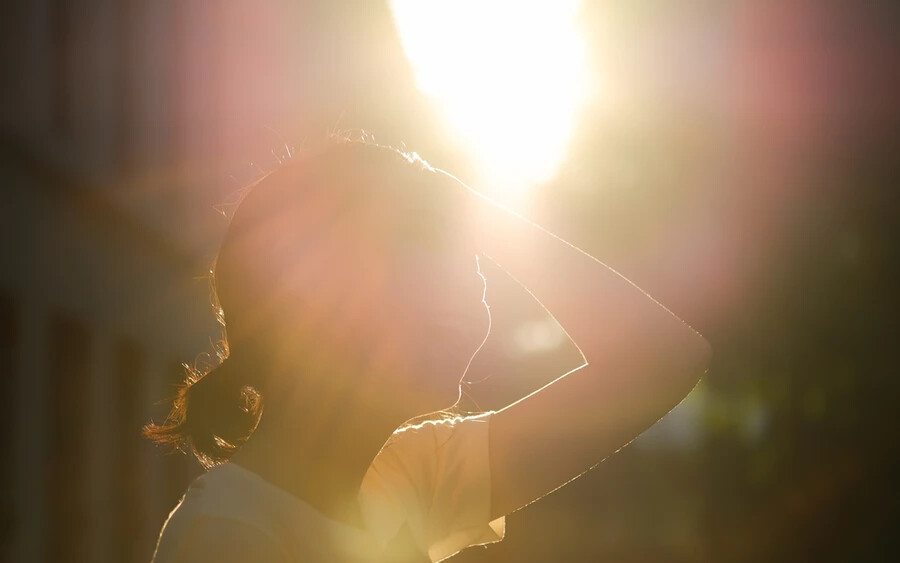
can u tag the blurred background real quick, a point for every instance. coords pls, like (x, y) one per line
(736, 159)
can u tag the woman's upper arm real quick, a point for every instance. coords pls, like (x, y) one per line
(227, 541)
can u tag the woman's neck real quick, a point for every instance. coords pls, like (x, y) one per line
(319, 449)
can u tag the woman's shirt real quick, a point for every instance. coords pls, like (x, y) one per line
(425, 497)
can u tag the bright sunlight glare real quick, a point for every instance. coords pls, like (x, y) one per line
(509, 76)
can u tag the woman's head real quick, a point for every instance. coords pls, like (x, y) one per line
(345, 270)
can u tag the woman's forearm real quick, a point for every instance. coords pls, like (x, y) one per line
(610, 319)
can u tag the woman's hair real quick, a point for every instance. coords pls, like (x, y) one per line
(219, 404)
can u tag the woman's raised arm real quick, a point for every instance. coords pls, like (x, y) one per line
(641, 361)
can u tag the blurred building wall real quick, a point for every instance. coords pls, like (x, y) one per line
(99, 297)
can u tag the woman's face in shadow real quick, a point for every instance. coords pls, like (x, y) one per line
(433, 316)
(437, 309)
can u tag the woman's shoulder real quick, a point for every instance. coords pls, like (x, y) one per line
(226, 491)
(224, 502)
(426, 436)
(442, 426)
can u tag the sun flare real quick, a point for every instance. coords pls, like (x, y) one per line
(509, 78)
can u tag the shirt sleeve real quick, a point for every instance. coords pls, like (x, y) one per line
(435, 478)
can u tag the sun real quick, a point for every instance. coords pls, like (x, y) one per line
(509, 78)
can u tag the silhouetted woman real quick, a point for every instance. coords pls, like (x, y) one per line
(350, 290)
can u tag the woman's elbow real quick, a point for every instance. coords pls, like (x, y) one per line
(697, 354)
(684, 359)
(703, 354)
